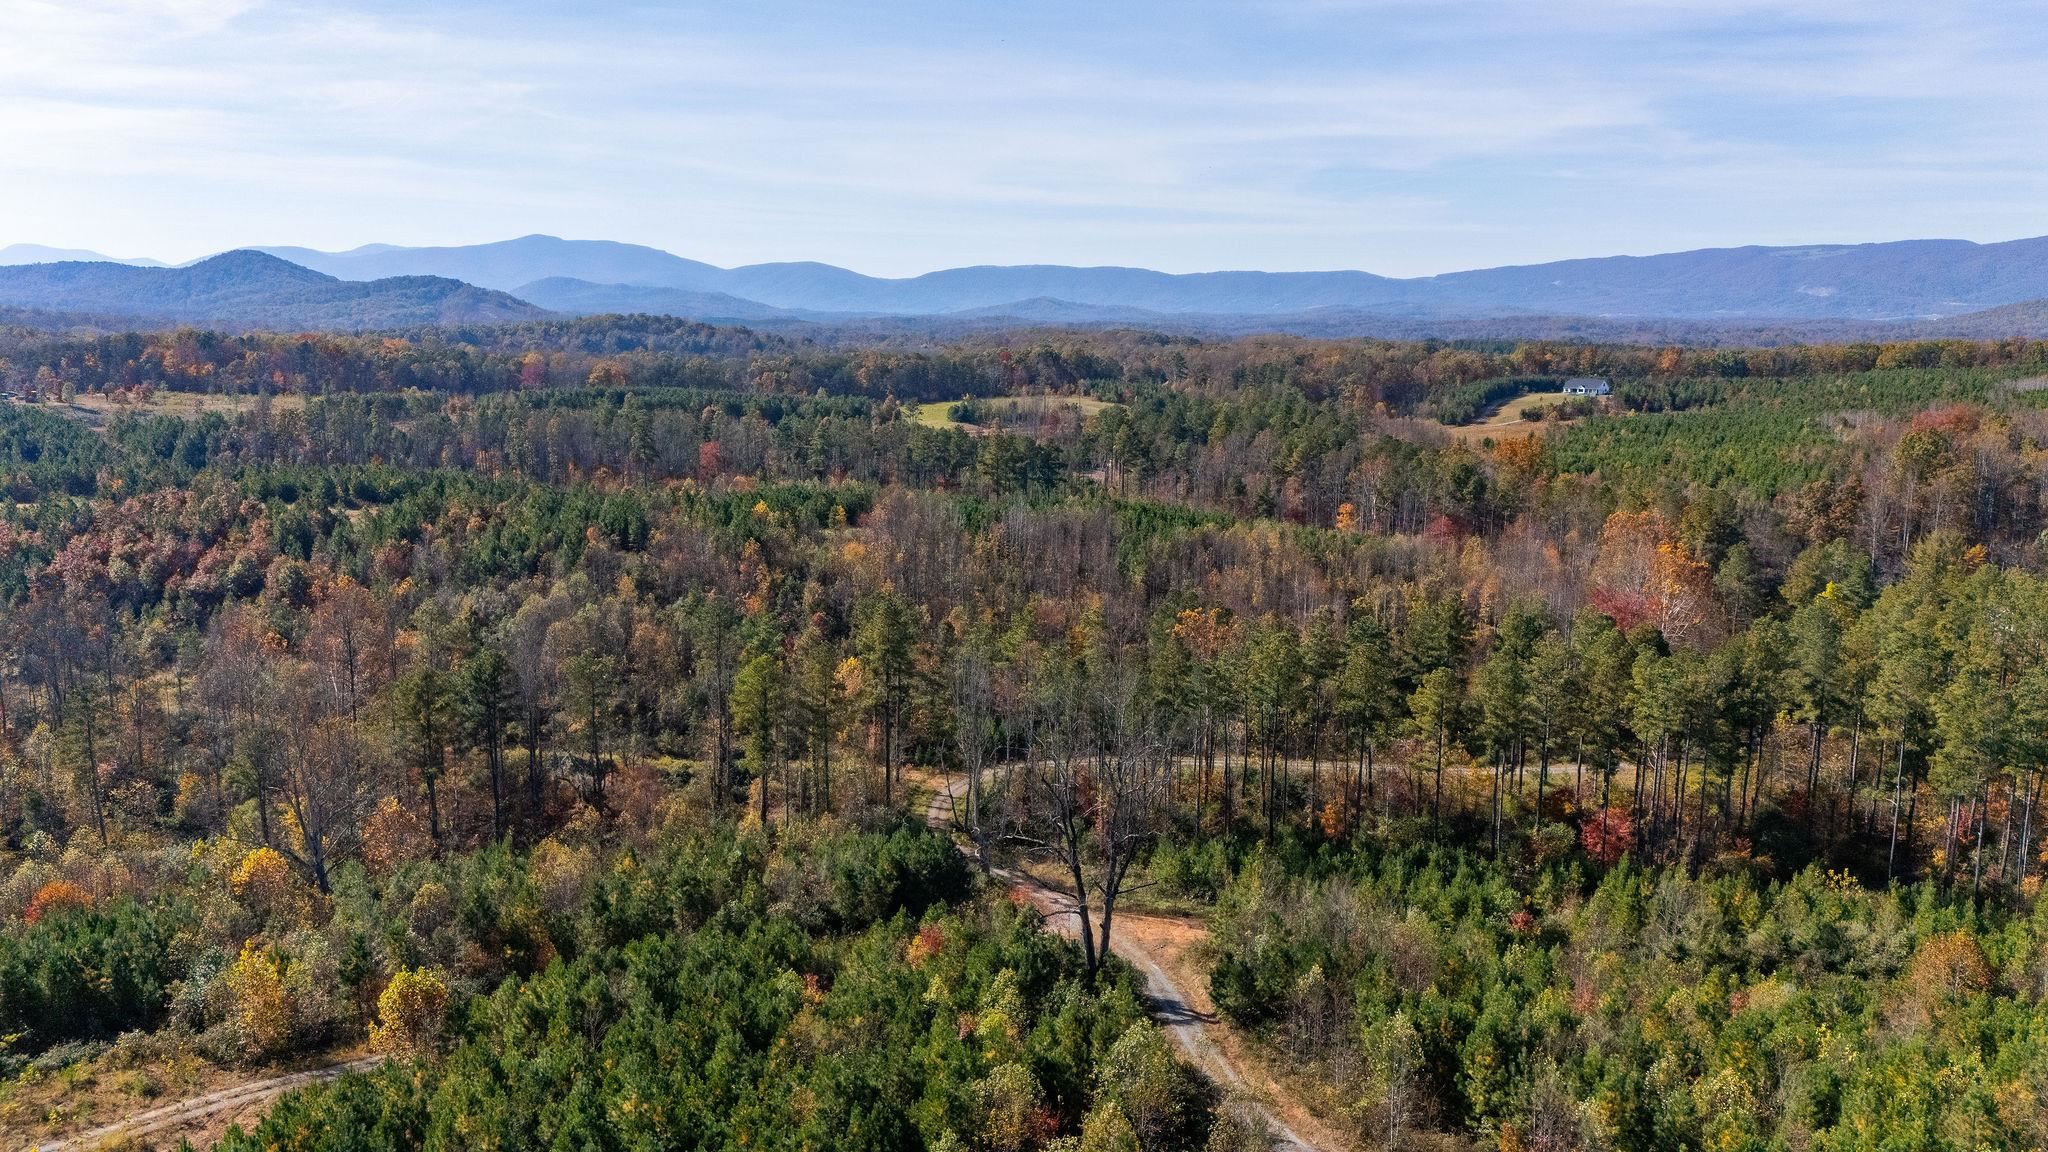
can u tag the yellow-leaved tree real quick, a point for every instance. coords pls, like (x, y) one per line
(410, 1012)
(263, 881)
(259, 1006)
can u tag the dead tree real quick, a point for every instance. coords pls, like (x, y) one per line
(1100, 777)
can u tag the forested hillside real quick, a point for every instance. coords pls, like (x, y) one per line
(250, 290)
(555, 709)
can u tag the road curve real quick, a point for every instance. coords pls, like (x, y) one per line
(1169, 1004)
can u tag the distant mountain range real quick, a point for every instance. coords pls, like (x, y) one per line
(253, 290)
(1911, 287)
(1907, 280)
(43, 254)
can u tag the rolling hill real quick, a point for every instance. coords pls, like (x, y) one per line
(246, 289)
(2028, 319)
(509, 264)
(584, 298)
(43, 254)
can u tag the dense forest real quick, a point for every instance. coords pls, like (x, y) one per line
(557, 710)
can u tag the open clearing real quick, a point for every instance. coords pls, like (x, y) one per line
(1508, 417)
(97, 408)
(56, 1113)
(936, 415)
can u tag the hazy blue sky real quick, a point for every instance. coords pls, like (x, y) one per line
(894, 138)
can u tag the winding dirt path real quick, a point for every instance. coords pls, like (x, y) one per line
(198, 1108)
(1161, 949)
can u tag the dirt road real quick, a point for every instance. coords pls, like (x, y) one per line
(1159, 948)
(198, 1108)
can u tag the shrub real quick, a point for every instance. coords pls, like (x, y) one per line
(1239, 1127)
(1166, 1106)
(1008, 1099)
(1192, 871)
(875, 875)
(54, 895)
(1607, 836)
(410, 1012)
(393, 835)
(83, 973)
(1947, 966)
(258, 1007)
(264, 883)
(1107, 1129)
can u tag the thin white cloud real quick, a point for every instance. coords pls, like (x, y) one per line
(1400, 136)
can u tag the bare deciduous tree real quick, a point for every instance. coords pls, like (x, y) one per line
(1100, 778)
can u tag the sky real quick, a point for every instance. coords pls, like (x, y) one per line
(1404, 138)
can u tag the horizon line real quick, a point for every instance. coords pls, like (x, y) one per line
(145, 261)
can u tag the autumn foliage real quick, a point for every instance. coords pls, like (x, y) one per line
(258, 1005)
(1608, 834)
(263, 879)
(57, 894)
(410, 1012)
(414, 690)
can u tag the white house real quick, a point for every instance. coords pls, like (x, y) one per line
(1586, 386)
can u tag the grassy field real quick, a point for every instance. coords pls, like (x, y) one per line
(935, 415)
(1508, 417)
